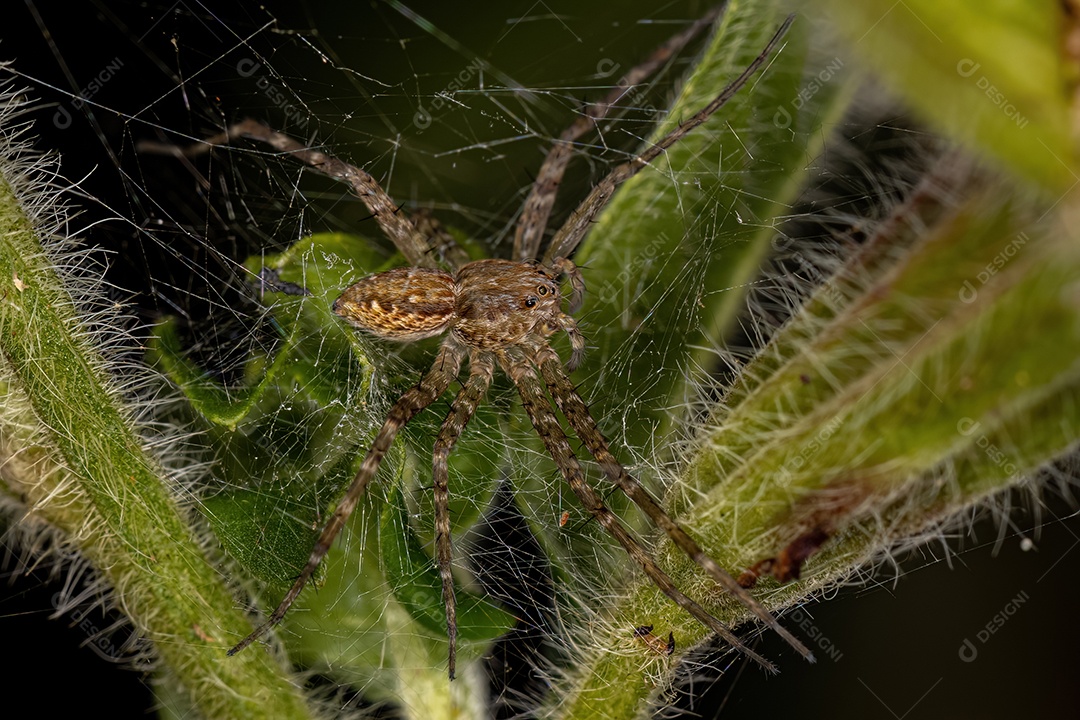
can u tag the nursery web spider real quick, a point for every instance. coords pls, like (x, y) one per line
(502, 313)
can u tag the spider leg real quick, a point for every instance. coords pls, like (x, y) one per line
(438, 379)
(481, 368)
(444, 246)
(534, 400)
(537, 208)
(401, 231)
(577, 342)
(577, 414)
(577, 282)
(573, 230)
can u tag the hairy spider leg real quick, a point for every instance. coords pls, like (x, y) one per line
(402, 231)
(534, 214)
(462, 408)
(573, 407)
(431, 386)
(568, 236)
(577, 341)
(537, 407)
(577, 283)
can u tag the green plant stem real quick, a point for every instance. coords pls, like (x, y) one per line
(923, 389)
(83, 468)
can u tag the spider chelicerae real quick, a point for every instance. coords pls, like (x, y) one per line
(502, 313)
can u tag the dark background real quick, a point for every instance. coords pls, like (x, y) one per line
(895, 639)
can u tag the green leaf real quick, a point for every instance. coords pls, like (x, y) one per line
(285, 440)
(271, 535)
(671, 260)
(289, 441)
(313, 356)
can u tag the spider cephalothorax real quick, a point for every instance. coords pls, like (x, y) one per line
(503, 313)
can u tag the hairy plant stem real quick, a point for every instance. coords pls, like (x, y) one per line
(937, 368)
(73, 457)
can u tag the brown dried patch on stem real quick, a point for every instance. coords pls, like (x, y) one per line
(813, 520)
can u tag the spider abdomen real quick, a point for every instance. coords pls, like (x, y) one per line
(402, 304)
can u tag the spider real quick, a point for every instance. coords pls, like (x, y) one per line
(502, 313)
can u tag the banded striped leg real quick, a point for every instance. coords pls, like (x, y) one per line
(534, 400)
(442, 373)
(571, 233)
(577, 341)
(481, 368)
(577, 283)
(537, 208)
(577, 413)
(409, 241)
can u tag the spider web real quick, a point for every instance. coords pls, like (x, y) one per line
(451, 111)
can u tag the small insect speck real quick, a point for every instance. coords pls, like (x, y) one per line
(658, 645)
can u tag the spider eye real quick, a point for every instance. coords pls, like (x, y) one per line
(530, 301)
(542, 290)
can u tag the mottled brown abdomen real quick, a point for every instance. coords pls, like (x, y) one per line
(403, 304)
